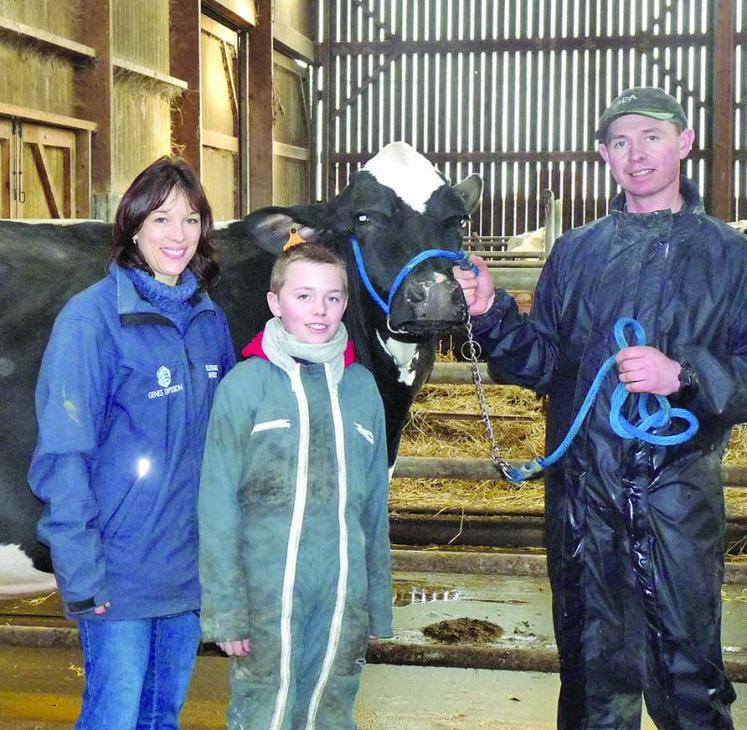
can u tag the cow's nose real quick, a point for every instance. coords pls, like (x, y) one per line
(416, 292)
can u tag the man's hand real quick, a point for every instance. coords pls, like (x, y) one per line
(645, 369)
(240, 647)
(478, 289)
(102, 609)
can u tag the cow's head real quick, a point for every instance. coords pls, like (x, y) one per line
(395, 208)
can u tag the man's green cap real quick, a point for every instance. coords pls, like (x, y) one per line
(650, 101)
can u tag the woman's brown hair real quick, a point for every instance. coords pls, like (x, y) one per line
(146, 193)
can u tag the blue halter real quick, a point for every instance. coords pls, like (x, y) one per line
(432, 253)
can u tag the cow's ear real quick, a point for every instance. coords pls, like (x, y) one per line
(470, 191)
(271, 228)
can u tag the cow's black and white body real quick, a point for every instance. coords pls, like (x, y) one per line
(396, 206)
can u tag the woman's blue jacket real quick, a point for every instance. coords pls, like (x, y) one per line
(122, 401)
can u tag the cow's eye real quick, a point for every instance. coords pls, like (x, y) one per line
(362, 218)
(463, 222)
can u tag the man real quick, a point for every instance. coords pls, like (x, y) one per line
(635, 532)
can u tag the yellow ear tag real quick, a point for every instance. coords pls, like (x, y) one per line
(294, 239)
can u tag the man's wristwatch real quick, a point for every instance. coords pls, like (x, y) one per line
(687, 377)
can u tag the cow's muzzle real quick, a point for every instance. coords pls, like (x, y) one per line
(429, 303)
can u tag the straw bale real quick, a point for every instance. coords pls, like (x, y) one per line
(34, 77)
(141, 128)
(55, 16)
(426, 435)
(140, 32)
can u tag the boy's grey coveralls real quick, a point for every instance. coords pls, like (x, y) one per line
(295, 474)
(635, 532)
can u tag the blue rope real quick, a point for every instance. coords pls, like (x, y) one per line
(619, 424)
(457, 256)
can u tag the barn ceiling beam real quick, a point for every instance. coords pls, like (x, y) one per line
(721, 188)
(639, 42)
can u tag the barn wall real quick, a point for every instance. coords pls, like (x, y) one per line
(56, 16)
(220, 117)
(299, 15)
(141, 126)
(141, 122)
(40, 79)
(140, 32)
(130, 80)
(512, 91)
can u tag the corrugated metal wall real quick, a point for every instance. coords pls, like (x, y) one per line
(512, 90)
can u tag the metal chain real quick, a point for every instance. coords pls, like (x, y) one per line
(472, 351)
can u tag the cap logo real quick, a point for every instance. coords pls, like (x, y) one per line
(626, 99)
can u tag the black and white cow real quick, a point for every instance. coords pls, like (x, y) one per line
(395, 208)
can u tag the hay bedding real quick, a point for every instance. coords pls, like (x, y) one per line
(425, 435)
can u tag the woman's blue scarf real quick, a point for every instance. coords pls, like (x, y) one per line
(171, 301)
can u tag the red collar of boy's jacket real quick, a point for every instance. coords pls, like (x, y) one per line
(254, 349)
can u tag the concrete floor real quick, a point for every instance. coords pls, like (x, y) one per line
(40, 690)
(40, 687)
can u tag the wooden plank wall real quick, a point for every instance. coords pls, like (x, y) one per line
(124, 80)
(512, 90)
(141, 119)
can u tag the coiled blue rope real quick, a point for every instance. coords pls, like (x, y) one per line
(619, 424)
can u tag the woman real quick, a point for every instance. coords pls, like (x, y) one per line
(123, 399)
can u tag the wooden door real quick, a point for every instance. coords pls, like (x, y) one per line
(47, 172)
(7, 169)
(220, 117)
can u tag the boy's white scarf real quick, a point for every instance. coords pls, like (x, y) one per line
(283, 348)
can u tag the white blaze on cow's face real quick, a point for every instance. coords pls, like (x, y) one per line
(399, 167)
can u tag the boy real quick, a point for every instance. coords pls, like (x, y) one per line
(294, 542)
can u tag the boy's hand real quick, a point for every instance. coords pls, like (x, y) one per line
(478, 289)
(645, 369)
(240, 647)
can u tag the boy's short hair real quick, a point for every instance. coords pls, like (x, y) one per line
(315, 253)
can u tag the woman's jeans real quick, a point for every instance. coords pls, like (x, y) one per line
(137, 671)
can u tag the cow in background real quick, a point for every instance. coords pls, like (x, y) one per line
(396, 206)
